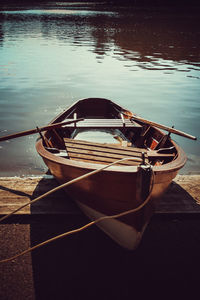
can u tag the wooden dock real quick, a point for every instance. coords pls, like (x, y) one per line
(89, 264)
(183, 196)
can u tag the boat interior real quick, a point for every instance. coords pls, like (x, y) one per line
(106, 134)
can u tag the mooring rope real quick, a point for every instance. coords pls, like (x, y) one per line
(64, 185)
(85, 226)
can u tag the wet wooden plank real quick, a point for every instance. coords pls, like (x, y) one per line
(16, 191)
(183, 196)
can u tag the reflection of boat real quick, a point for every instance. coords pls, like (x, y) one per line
(109, 133)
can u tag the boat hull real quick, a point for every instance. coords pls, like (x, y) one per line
(108, 193)
(118, 188)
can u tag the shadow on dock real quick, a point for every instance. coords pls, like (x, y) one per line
(90, 265)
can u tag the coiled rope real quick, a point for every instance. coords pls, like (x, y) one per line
(85, 226)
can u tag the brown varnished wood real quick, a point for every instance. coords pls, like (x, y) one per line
(117, 188)
(101, 153)
(105, 123)
(105, 150)
(106, 147)
(102, 159)
(169, 129)
(115, 151)
(37, 130)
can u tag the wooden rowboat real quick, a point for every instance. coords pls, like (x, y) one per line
(107, 134)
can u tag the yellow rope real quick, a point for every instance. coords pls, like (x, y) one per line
(83, 227)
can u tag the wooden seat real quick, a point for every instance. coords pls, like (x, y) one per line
(107, 153)
(103, 153)
(103, 123)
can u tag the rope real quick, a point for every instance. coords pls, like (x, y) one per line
(83, 227)
(63, 186)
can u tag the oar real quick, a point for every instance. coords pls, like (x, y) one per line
(37, 130)
(169, 129)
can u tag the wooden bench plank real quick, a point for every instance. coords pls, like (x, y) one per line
(87, 160)
(101, 156)
(101, 153)
(155, 154)
(101, 160)
(106, 146)
(102, 150)
(104, 123)
(111, 151)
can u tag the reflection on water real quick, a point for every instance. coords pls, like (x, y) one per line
(147, 61)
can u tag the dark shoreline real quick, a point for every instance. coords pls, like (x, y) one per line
(129, 3)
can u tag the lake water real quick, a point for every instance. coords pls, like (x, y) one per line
(147, 60)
